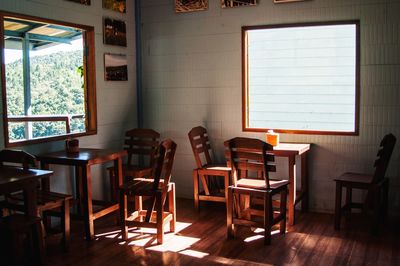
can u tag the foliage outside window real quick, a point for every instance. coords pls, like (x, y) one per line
(301, 78)
(47, 78)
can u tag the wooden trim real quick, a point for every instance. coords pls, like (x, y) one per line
(245, 114)
(88, 35)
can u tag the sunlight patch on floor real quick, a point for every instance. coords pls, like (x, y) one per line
(194, 253)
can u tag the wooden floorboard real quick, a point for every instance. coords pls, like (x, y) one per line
(201, 239)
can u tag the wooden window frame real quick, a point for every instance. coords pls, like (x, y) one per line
(89, 81)
(245, 86)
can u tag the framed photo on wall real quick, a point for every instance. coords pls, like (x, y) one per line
(115, 67)
(287, 1)
(116, 5)
(114, 32)
(237, 3)
(83, 2)
(182, 6)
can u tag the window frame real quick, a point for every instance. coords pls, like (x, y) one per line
(89, 71)
(245, 81)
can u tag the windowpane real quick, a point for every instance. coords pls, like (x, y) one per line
(49, 79)
(301, 78)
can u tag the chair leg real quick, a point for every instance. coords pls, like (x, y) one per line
(160, 220)
(139, 205)
(123, 214)
(229, 214)
(38, 244)
(65, 224)
(268, 217)
(282, 211)
(385, 196)
(226, 185)
(113, 187)
(338, 204)
(196, 189)
(172, 207)
(376, 192)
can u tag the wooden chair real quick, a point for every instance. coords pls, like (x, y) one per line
(47, 201)
(376, 185)
(250, 196)
(206, 169)
(141, 145)
(21, 240)
(158, 188)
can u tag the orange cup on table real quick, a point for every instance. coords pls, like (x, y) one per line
(272, 138)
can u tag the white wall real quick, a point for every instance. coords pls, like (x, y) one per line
(192, 76)
(116, 100)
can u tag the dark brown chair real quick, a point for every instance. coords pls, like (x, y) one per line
(250, 196)
(21, 236)
(376, 185)
(207, 170)
(141, 145)
(47, 201)
(158, 187)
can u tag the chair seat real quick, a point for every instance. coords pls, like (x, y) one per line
(45, 199)
(355, 178)
(215, 167)
(140, 187)
(260, 183)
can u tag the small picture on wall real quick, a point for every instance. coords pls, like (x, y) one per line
(83, 2)
(190, 5)
(115, 67)
(287, 1)
(237, 3)
(114, 32)
(116, 5)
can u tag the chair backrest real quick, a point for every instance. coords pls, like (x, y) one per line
(16, 158)
(163, 163)
(383, 157)
(201, 146)
(249, 158)
(142, 143)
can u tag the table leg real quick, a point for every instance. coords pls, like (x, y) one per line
(118, 174)
(304, 183)
(79, 189)
(292, 189)
(87, 203)
(338, 204)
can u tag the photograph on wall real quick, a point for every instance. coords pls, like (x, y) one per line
(115, 67)
(286, 1)
(116, 5)
(182, 6)
(83, 2)
(237, 3)
(114, 32)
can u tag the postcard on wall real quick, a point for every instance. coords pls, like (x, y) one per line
(114, 32)
(237, 3)
(182, 6)
(115, 67)
(287, 1)
(83, 2)
(116, 5)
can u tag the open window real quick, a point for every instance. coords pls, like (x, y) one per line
(48, 79)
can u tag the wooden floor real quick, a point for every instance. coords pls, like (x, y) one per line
(201, 240)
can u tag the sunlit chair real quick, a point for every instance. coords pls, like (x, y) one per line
(157, 188)
(141, 145)
(376, 185)
(250, 196)
(48, 202)
(207, 169)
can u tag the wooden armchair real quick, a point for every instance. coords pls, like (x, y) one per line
(376, 185)
(47, 201)
(157, 188)
(250, 196)
(141, 145)
(206, 169)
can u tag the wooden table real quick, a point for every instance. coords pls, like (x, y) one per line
(82, 161)
(291, 150)
(14, 179)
